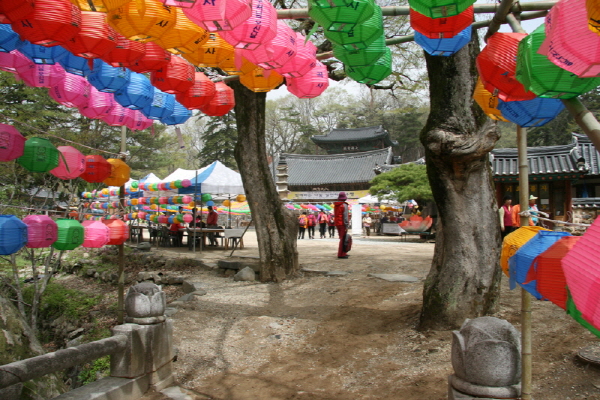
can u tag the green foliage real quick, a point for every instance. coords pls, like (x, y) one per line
(409, 181)
(92, 371)
(58, 300)
(219, 139)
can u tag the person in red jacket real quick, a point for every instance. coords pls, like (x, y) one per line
(312, 222)
(331, 225)
(322, 218)
(212, 221)
(340, 214)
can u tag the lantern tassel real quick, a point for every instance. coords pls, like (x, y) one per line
(179, 137)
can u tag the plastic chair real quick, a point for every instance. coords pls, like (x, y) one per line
(234, 237)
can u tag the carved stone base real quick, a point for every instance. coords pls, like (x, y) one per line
(146, 321)
(460, 389)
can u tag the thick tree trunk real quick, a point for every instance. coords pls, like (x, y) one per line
(464, 279)
(275, 225)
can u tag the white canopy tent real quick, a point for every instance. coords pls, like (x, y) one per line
(218, 179)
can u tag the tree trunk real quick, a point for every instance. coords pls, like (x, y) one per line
(275, 225)
(464, 280)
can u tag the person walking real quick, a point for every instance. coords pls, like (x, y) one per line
(533, 210)
(212, 223)
(322, 218)
(340, 212)
(367, 221)
(312, 222)
(331, 225)
(302, 224)
(505, 213)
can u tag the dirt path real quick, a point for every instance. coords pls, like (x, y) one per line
(348, 337)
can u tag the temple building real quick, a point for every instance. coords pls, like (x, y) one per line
(354, 140)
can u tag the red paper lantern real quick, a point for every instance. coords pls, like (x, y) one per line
(97, 169)
(11, 11)
(497, 65)
(222, 102)
(441, 28)
(199, 94)
(71, 163)
(142, 20)
(277, 52)
(126, 53)
(184, 37)
(260, 28)
(72, 91)
(118, 231)
(52, 22)
(96, 37)
(12, 143)
(175, 77)
(311, 84)
(304, 60)
(154, 58)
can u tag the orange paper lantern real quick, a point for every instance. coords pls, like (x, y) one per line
(212, 53)
(261, 80)
(142, 20)
(119, 172)
(184, 37)
(487, 101)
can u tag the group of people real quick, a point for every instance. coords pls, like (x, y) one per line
(509, 215)
(325, 221)
(211, 222)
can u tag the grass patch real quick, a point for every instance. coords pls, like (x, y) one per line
(58, 300)
(97, 369)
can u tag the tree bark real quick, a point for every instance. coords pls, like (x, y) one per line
(464, 280)
(275, 226)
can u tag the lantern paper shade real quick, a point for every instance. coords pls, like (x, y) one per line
(119, 172)
(542, 77)
(41, 54)
(9, 39)
(138, 122)
(361, 36)
(260, 28)
(259, 80)
(97, 169)
(71, 163)
(11, 11)
(179, 116)
(184, 37)
(70, 234)
(576, 315)
(106, 78)
(311, 84)
(142, 20)
(445, 46)
(42, 231)
(342, 19)
(212, 53)
(441, 28)
(497, 64)
(530, 113)
(155, 57)
(117, 116)
(232, 65)
(304, 60)
(487, 101)
(332, 3)
(440, 8)
(277, 52)
(90, 5)
(7, 61)
(71, 91)
(118, 231)
(74, 64)
(175, 77)
(362, 57)
(162, 105)
(199, 94)
(179, 3)
(39, 155)
(99, 104)
(219, 15)
(95, 38)
(372, 74)
(95, 234)
(513, 241)
(221, 103)
(593, 14)
(126, 52)
(114, 4)
(136, 94)
(12, 143)
(13, 234)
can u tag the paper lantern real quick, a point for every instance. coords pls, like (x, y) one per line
(444, 47)
(240, 198)
(260, 28)
(362, 57)
(97, 169)
(41, 54)
(311, 84)
(90, 5)
(118, 231)
(304, 60)
(593, 14)
(138, 121)
(184, 37)
(106, 78)
(162, 105)
(142, 20)
(544, 78)
(179, 115)
(232, 65)
(441, 28)
(155, 57)
(219, 15)
(95, 234)
(114, 4)
(135, 94)
(497, 65)
(50, 23)
(70, 234)
(12, 143)
(342, 19)
(576, 315)
(569, 43)
(332, 3)
(99, 104)
(372, 74)
(531, 113)
(487, 101)
(70, 91)
(513, 241)
(221, 103)
(179, 3)
(199, 94)
(175, 77)
(42, 231)
(95, 38)
(71, 163)
(275, 53)
(361, 36)
(119, 172)
(126, 52)
(9, 39)
(7, 60)
(13, 234)
(212, 53)
(440, 8)
(74, 64)
(14, 10)
(39, 155)
(117, 116)
(259, 80)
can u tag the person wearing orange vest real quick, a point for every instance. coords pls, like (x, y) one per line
(302, 225)
(340, 215)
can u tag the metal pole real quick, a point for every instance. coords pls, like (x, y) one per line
(121, 272)
(196, 213)
(229, 213)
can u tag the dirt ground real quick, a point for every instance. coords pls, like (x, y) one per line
(347, 337)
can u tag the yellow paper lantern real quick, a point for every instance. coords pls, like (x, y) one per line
(230, 66)
(240, 198)
(184, 37)
(119, 172)
(154, 207)
(487, 101)
(261, 80)
(514, 240)
(142, 20)
(134, 202)
(110, 5)
(90, 5)
(212, 53)
(593, 13)
(105, 191)
(192, 204)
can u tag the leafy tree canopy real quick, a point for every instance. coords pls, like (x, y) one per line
(409, 181)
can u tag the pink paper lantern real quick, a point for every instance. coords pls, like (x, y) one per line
(187, 218)
(12, 143)
(118, 115)
(311, 84)
(570, 44)
(71, 163)
(186, 183)
(277, 52)
(99, 104)
(71, 91)
(163, 219)
(95, 234)
(304, 60)
(260, 28)
(38, 75)
(186, 200)
(179, 3)
(219, 15)
(42, 231)
(7, 61)
(163, 200)
(138, 121)
(142, 215)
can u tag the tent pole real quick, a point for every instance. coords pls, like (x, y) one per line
(229, 213)
(196, 209)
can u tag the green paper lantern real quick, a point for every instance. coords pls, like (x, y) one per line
(331, 3)
(361, 36)
(70, 234)
(362, 57)
(178, 184)
(543, 77)
(440, 8)
(372, 74)
(39, 155)
(206, 197)
(134, 184)
(342, 19)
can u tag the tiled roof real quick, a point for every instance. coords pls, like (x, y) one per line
(356, 134)
(335, 168)
(541, 160)
(589, 152)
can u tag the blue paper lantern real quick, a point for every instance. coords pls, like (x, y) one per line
(41, 54)
(210, 203)
(9, 39)
(13, 234)
(106, 78)
(74, 64)
(179, 116)
(136, 94)
(530, 113)
(446, 46)
(163, 105)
